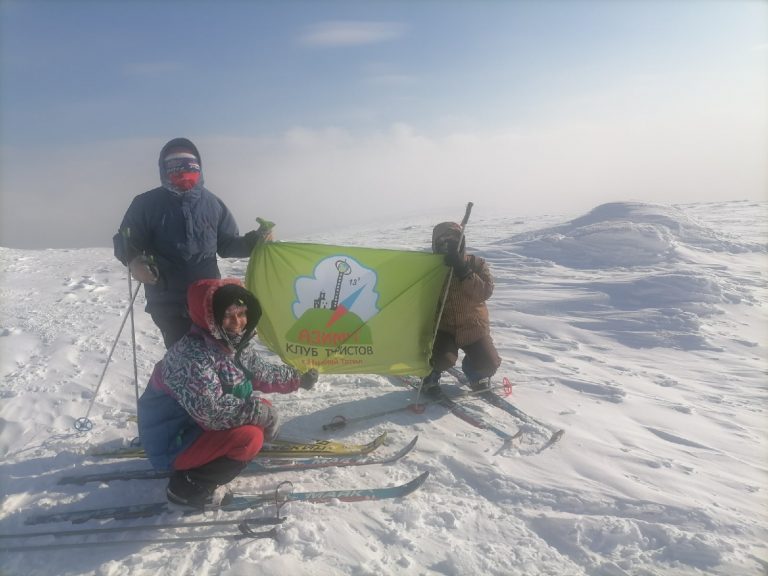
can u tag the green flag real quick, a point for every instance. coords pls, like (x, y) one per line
(346, 310)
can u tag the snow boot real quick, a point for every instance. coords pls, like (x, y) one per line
(184, 490)
(430, 386)
(480, 385)
(198, 487)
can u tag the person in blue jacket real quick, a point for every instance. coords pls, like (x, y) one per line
(170, 235)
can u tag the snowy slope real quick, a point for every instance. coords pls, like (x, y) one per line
(639, 329)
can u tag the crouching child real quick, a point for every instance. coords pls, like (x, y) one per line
(200, 416)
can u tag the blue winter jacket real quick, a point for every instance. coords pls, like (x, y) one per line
(182, 232)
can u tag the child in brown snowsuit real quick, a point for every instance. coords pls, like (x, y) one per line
(464, 322)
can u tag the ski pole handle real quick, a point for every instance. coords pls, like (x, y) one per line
(466, 214)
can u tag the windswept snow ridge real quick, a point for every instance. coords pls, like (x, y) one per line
(639, 329)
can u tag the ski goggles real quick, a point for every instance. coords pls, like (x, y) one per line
(181, 162)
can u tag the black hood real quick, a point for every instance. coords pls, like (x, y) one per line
(180, 143)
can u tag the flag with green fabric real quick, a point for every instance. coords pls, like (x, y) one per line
(347, 310)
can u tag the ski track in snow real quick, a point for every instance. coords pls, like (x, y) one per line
(639, 329)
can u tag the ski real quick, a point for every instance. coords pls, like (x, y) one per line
(267, 466)
(291, 448)
(555, 433)
(237, 503)
(244, 525)
(339, 421)
(276, 449)
(249, 535)
(464, 413)
(266, 521)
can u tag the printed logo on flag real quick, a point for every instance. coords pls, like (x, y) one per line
(332, 308)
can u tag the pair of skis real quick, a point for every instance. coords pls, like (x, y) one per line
(351, 455)
(238, 503)
(245, 527)
(458, 409)
(555, 434)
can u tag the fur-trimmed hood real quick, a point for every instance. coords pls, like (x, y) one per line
(200, 306)
(447, 231)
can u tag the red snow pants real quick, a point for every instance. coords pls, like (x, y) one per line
(241, 443)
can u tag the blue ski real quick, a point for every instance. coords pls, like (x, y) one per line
(238, 502)
(245, 525)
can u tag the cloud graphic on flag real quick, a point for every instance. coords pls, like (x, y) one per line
(338, 283)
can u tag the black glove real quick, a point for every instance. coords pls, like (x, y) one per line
(455, 259)
(308, 379)
(263, 234)
(267, 419)
(254, 238)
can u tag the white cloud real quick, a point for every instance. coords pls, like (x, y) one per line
(350, 33)
(317, 179)
(308, 179)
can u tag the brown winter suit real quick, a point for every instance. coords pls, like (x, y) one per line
(464, 323)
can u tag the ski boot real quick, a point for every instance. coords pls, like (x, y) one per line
(482, 385)
(184, 490)
(430, 386)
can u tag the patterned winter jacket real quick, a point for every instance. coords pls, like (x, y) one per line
(465, 314)
(182, 232)
(202, 384)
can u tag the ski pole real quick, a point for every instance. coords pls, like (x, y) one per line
(133, 335)
(84, 424)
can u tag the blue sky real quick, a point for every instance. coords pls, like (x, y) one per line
(318, 114)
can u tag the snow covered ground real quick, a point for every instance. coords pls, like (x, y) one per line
(639, 329)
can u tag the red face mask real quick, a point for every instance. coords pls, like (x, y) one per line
(184, 180)
(183, 171)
